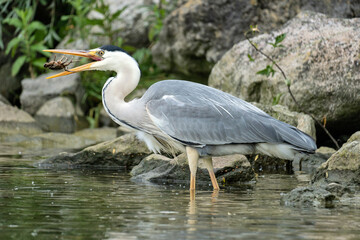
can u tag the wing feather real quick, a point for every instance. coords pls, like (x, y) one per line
(201, 115)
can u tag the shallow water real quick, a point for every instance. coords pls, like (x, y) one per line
(98, 204)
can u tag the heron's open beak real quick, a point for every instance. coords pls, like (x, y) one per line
(81, 53)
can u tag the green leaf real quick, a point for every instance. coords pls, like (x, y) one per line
(267, 71)
(14, 22)
(288, 82)
(65, 18)
(117, 13)
(39, 62)
(280, 38)
(36, 25)
(13, 44)
(250, 58)
(276, 99)
(17, 65)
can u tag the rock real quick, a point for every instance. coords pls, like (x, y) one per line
(320, 61)
(3, 100)
(198, 33)
(325, 151)
(335, 183)
(123, 152)
(9, 84)
(160, 169)
(37, 91)
(342, 167)
(98, 134)
(15, 121)
(308, 163)
(300, 120)
(51, 140)
(132, 22)
(57, 115)
(308, 196)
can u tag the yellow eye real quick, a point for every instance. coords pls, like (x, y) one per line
(101, 52)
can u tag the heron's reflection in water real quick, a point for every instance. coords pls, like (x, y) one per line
(193, 211)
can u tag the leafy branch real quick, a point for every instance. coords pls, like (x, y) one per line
(28, 38)
(269, 70)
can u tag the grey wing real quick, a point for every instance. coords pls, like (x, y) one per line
(212, 117)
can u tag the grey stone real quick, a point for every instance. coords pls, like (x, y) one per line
(98, 134)
(51, 140)
(37, 91)
(160, 169)
(335, 182)
(15, 121)
(3, 100)
(308, 196)
(57, 115)
(198, 33)
(9, 84)
(320, 60)
(123, 152)
(342, 167)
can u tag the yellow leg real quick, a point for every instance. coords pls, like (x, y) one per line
(210, 168)
(193, 158)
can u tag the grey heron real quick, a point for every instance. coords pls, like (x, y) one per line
(182, 116)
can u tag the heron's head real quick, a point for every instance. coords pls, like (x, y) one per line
(106, 58)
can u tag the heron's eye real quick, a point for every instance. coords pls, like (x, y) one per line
(101, 52)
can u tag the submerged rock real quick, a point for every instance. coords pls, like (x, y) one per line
(335, 182)
(57, 115)
(308, 196)
(320, 60)
(123, 152)
(160, 169)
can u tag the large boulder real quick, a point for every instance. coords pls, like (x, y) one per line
(320, 60)
(123, 152)
(198, 33)
(57, 115)
(37, 91)
(133, 23)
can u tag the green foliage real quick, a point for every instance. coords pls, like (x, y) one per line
(158, 12)
(28, 41)
(250, 58)
(147, 66)
(276, 99)
(269, 70)
(278, 40)
(78, 23)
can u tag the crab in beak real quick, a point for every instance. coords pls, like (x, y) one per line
(94, 55)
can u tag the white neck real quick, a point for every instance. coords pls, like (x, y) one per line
(116, 89)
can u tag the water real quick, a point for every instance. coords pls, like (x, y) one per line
(98, 204)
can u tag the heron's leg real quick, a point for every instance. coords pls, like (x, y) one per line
(193, 158)
(209, 165)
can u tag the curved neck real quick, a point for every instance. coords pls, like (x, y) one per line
(118, 87)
